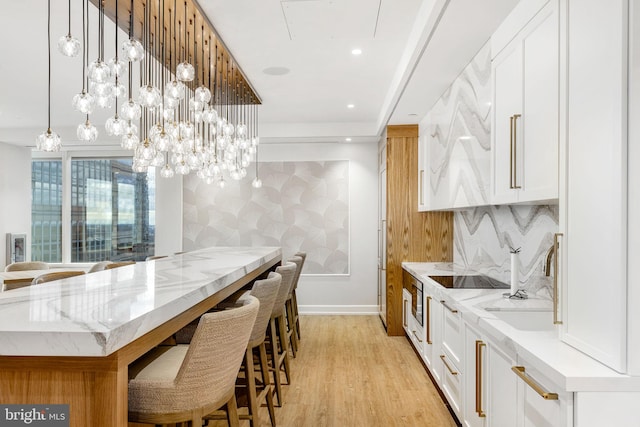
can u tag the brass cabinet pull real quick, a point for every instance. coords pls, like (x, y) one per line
(519, 370)
(421, 186)
(417, 337)
(479, 345)
(511, 152)
(429, 320)
(515, 152)
(453, 310)
(556, 248)
(404, 314)
(447, 365)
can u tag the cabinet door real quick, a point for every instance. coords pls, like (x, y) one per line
(422, 172)
(433, 337)
(501, 388)
(507, 83)
(406, 310)
(541, 403)
(475, 390)
(593, 206)
(537, 131)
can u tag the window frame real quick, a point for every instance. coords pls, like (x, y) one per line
(66, 155)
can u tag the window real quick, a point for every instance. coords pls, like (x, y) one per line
(111, 211)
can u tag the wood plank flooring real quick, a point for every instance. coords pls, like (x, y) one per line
(348, 373)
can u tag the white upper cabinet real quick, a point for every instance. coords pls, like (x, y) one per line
(526, 106)
(595, 294)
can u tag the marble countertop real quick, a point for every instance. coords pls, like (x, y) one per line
(542, 349)
(99, 313)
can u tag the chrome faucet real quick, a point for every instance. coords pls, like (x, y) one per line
(550, 253)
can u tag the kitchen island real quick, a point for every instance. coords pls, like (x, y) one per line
(71, 341)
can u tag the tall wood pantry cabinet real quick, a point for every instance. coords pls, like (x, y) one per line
(409, 235)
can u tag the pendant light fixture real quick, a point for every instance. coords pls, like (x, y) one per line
(84, 101)
(48, 140)
(116, 126)
(69, 45)
(185, 71)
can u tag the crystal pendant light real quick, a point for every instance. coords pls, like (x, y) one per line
(129, 141)
(115, 126)
(48, 140)
(257, 182)
(69, 45)
(87, 132)
(185, 71)
(131, 110)
(131, 49)
(202, 93)
(167, 171)
(83, 102)
(99, 71)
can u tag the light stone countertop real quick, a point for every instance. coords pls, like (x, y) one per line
(99, 313)
(564, 365)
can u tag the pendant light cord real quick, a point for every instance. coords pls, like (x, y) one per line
(49, 61)
(69, 31)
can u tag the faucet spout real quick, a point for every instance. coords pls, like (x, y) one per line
(550, 253)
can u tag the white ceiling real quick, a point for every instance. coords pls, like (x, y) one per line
(411, 52)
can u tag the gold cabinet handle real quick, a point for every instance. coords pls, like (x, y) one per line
(479, 345)
(429, 320)
(447, 365)
(453, 310)
(417, 337)
(515, 152)
(556, 248)
(519, 370)
(511, 152)
(421, 186)
(404, 314)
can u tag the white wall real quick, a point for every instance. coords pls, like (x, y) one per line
(168, 215)
(15, 195)
(356, 292)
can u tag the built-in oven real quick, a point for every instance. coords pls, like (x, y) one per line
(416, 299)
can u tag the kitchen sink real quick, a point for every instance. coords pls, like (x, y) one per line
(526, 320)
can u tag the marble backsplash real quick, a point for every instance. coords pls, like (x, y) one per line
(484, 235)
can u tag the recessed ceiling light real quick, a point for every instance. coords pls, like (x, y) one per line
(464, 138)
(350, 106)
(348, 139)
(276, 71)
(356, 51)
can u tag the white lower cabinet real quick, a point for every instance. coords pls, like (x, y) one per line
(433, 336)
(541, 403)
(490, 389)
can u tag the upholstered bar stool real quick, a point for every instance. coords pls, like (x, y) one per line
(27, 265)
(279, 349)
(118, 264)
(294, 298)
(174, 384)
(266, 291)
(99, 266)
(292, 336)
(56, 275)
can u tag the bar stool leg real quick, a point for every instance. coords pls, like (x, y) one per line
(251, 388)
(296, 315)
(232, 412)
(264, 369)
(282, 333)
(291, 334)
(274, 360)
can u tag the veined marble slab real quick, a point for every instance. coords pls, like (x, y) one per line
(99, 313)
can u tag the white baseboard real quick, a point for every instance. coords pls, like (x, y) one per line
(338, 309)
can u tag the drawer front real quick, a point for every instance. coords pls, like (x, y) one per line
(451, 384)
(452, 334)
(416, 335)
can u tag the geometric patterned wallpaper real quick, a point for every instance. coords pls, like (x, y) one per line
(302, 206)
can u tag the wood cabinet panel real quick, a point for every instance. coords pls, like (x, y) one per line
(411, 235)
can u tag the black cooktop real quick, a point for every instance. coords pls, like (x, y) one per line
(469, 282)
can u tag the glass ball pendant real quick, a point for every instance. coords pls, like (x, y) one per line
(129, 141)
(83, 102)
(185, 72)
(132, 50)
(119, 90)
(99, 71)
(167, 171)
(203, 94)
(115, 126)
(149, 97)
(117, 67)
(131, 110)
(256, 183)
(87, 132)
(48, 141)
(69, 46)
(174, 89)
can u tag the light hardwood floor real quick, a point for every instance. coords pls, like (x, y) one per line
(348, 373)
